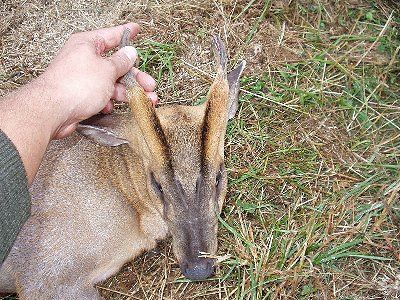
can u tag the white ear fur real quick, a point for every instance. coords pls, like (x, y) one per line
(234, 87)
(102, 129)
(100, 135)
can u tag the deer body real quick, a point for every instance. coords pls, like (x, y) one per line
(85, 194)
(95, 207)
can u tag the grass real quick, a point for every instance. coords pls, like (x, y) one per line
(157, 58)
(313, 209)
(314, 218)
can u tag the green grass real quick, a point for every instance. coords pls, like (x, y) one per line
(310, 206)
(158, 58)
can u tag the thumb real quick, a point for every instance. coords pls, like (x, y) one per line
(123, 60)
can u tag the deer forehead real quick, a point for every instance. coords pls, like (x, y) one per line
(182, 127)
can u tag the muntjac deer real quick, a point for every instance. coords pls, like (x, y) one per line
(127, 180)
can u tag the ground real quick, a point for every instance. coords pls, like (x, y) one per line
(313, 209)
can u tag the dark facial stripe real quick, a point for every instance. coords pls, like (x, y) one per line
(162, 138)
(180, 193)
(204, 138)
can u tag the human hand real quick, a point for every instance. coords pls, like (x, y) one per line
(78, 84)
(82, 81)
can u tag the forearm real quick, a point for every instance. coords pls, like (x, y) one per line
(29, 117)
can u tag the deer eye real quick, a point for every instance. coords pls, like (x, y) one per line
(156, 186)
(219, 176)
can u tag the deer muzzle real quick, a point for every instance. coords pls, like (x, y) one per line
(200, 269)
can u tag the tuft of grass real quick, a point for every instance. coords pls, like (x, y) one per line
(158, 59)
(319, 215)
(261, 18)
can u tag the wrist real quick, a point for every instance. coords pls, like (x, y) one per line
(29, 120)
(49, 105)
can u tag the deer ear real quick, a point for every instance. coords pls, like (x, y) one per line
(234, 87)
(103, 129)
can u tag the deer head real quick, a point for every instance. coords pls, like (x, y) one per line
(182, 152)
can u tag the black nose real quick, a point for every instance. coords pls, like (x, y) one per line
(199, 270)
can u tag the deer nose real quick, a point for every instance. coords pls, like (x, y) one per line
(199, 270)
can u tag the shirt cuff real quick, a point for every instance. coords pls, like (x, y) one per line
(15, 201)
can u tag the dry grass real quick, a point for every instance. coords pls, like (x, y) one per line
(313, 209)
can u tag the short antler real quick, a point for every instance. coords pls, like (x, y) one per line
(222, 101)
(220, 55)
(144, 113)
(129, 78)
(216, 115)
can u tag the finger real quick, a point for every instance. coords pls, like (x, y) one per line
(108, 108)
(122, 61)
(111, 37)
(153, 97)
(145, 80)
(119, 93)
(65, 131)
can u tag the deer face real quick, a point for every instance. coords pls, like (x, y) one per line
(190, 188)
(183, 154)
(192, 182)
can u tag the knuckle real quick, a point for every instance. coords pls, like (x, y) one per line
(124, 60)
(78, 40)
(120, 62)
(99, 44)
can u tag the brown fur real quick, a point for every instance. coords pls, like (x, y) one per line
(215, 118)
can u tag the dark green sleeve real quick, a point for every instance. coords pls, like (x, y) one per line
(15, 202)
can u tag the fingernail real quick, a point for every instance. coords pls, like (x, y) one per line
(130, 52)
